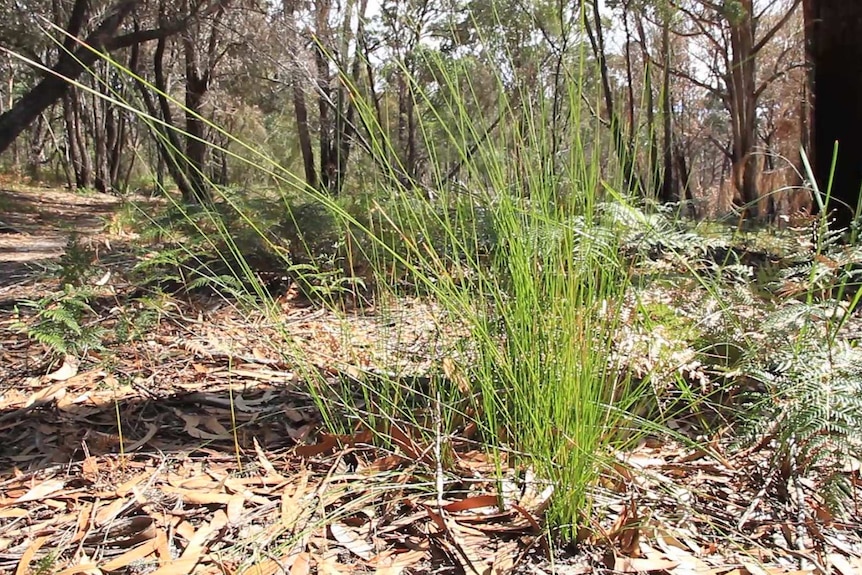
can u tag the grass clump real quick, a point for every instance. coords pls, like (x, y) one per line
(524, 254)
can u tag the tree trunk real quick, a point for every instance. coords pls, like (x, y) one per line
(743, 106)
(304, 135)
(167, 141)
(835, 28)
(196, 144)
(101, 129)
(54, 84)
(79, 156)
(624, 147)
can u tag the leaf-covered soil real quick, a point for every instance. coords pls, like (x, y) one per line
(195, 447)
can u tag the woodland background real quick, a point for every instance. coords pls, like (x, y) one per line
(701, 100)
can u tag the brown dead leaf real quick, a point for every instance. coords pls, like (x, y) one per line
(534, 523)
(185, 530)
(90, 468)
(13, 513)
(110, 512)
(125, 488)
(215, 426)
(81, 568)
(842, 565)
(352, 541)
(263, 460)
(53, 392)
(42, 490)
(198, 482)
(265, 567)
(235, 509)
(476, 502)
(142, 551)
(152, 429)
(191, 427)
(85, 511)
(626, 531)
(125, 532)
(66, 371)
(291, 501)
(197, 497)
(301, 565)
(469, 547)
(327, 444)
(28, 555)
(219, 520)
(329, 566)
(390, 563)
(385, 463)
(640, 565)
(403, 440)
(504, 559)
(191, 554)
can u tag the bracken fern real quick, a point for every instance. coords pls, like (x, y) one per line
(807, 401)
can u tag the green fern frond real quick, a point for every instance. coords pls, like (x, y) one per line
(809, 396)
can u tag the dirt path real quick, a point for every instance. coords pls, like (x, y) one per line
(35, 225)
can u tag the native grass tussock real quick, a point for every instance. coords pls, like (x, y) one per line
(564, 323)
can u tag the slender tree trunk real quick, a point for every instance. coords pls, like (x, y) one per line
(670, 189)
(743, 105)
(100, 132)
(196, 145)
(79, 153)
(304, 134)
(664, 180)
(36, 152)
(197, 80)
(300, 108)
(167, 141)
(624, 147)
(324, 93)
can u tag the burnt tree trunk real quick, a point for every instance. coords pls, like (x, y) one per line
(743, 106)
(835, 49)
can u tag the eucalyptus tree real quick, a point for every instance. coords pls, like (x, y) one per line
(731, 57)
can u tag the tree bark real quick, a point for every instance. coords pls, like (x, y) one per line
(835, 28)
(670, 185)
(743, 106)
(624, 147)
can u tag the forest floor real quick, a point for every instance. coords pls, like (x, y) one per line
(194, 447)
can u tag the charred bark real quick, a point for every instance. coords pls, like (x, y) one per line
(835, 28)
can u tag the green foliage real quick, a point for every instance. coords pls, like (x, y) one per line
(807, 403)
(822, 268)
(134, 326)
(76, 265)
(46, 564)
(64, 322)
